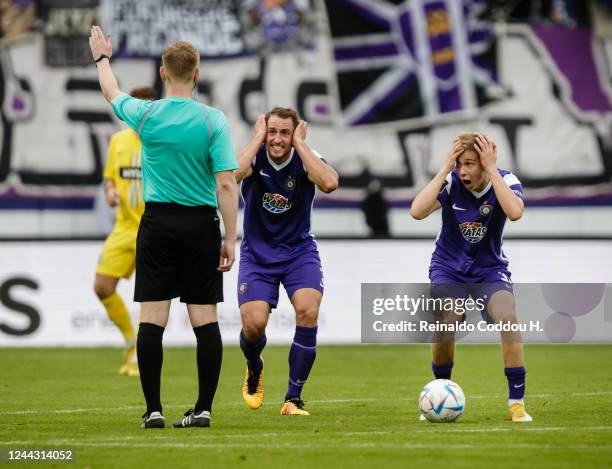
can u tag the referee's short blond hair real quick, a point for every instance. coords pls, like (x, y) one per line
(180, 59)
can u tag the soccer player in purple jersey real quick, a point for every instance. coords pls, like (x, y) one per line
(279, 174)
(476, 198)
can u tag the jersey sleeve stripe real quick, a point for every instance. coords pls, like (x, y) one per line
(511, 180)
(449, 181)
(144, 118)
(318, 154)
(208, 124)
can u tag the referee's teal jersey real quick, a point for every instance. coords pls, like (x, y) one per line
(184, 143)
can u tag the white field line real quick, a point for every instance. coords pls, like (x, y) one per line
(514, 428)
(257, 436)
(313, 401)
(293, 445)
(145, 440)
(164, 435)
(477, 396)
(570, 394)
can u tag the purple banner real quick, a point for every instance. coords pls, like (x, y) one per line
(572, 52)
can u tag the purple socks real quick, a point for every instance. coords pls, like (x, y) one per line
(252, 352)
(516, 382)
(442, 371)
(301, 358)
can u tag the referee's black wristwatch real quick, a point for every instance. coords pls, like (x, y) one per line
(99, 57)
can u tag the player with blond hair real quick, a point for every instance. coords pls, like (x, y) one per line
(476, 198)
(188, 161)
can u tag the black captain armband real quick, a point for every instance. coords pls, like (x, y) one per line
(100, 57)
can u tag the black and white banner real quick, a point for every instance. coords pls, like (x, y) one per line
(385, 86)
(145, 28)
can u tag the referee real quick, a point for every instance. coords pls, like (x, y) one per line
(187, 172)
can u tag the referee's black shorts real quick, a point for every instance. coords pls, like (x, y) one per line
(177, 254)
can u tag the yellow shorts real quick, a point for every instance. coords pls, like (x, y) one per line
(118, 254)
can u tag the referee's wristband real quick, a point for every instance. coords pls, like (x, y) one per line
(100, 57)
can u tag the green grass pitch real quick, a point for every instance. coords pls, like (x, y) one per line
(362, 399)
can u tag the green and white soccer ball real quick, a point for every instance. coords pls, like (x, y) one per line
(441, 400)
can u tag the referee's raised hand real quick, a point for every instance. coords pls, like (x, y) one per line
(188, 163)
(102, 50)
(100, 44)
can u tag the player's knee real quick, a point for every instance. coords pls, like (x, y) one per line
(505, 316)
(103, 291)
(306, 315)
(447, 316)
(253, 325)
(253, 330)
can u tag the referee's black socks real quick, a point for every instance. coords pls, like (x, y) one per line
(209, 356)
(150, 358)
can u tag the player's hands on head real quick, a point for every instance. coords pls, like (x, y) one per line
(99, 43)
(261, 128)
(299, 133)
(453, 154)
(228, 255)
(487, 151)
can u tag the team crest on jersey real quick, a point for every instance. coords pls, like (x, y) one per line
(485, 209)
(242, 288)
(473, 231)
(290, 183)
(276, 203)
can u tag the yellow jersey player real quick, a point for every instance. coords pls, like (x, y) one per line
(122, 179)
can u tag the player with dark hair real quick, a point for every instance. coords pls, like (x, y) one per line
(476, 198)
(187, 172)
(279, 175)
(122, 184)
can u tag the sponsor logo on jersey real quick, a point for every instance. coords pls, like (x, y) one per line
(130, 172)
(473, 231)
(275, 203)
(486, 209)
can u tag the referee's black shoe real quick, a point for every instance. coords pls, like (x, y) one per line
(192, 420)
(153, 420)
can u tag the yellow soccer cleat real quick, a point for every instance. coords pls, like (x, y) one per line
(129, 369)
(518, 414)
(129, 366)
(253, 391)
(293, 407)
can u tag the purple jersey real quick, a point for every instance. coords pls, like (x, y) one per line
(277, 206)
(470, 240)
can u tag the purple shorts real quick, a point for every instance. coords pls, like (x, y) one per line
(445, 284)
(261, 282)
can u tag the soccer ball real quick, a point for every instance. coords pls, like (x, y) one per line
(441, 400)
